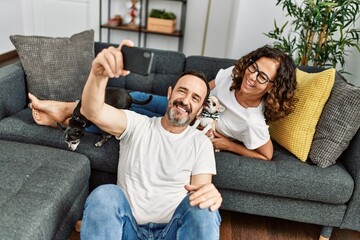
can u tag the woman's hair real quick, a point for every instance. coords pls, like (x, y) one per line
(280, 100)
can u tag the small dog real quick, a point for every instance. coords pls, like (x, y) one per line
(210, 114)
(116, 97)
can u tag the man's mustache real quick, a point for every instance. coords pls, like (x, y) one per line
(177, 102)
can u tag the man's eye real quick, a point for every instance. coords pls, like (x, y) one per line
(196, 99)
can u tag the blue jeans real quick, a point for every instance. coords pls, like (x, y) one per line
(155, 108)
(107, 215)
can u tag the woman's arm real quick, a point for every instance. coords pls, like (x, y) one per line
(220, 142)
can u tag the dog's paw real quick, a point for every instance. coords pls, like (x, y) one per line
(99, 144)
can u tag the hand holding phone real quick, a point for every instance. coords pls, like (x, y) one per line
(137, 60)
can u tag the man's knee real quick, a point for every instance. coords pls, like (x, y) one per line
(108, 195)
(199, 215)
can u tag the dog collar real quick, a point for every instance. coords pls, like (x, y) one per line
(206, 114)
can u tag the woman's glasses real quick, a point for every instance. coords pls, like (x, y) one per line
(261, 77)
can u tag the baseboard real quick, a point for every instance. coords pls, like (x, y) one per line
(8, 56)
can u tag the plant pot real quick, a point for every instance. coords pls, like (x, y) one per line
(161, 25)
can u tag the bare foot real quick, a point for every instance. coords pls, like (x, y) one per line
(57, 111)
(43, 118)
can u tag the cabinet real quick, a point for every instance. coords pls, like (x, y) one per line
(141, 29)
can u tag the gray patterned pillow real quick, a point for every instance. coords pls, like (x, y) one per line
(339, 122)
(56, 68)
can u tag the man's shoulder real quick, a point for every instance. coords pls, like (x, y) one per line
(199, 136)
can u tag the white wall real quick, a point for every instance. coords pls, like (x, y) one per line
(56, 18)
(235, 27)
(11, 21)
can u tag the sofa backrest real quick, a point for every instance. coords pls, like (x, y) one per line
(209, 65)
(166, 68)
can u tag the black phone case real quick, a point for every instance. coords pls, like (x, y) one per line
(137, 60)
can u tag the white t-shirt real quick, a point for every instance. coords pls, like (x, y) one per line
(154, 165)
(247, 125)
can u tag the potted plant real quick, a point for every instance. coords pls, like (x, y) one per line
(161, 21)
(321, 31)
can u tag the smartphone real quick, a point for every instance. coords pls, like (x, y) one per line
(137, 60)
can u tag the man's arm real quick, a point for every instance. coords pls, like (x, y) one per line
(108, 63)
(204, 193)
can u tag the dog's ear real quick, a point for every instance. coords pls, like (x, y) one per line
(83, 124)
(79, 120)
(61, 126)
(221, 108)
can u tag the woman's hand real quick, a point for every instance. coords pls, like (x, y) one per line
(219, 141)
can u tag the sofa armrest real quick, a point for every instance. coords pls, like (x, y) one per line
(13, 96)
(351, 160)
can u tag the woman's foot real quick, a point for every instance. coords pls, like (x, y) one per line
(55, 110)
(42, 118)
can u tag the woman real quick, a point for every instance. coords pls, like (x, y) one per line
(258, 89)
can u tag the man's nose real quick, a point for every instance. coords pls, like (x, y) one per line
(186, 99)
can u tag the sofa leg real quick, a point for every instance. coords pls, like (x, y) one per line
(78, 225)
(325, 233)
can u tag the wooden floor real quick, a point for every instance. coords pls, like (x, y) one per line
(236, 226)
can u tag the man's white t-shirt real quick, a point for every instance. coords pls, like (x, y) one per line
(154, 165)
(247, 125)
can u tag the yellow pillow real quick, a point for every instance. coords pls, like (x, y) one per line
(295, 132)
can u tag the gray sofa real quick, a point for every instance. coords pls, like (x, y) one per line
(283, 188)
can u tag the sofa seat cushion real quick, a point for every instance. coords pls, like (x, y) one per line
(284, 176)
(21, 127)
(39, 186)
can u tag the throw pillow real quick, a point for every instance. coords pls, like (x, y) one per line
(56, 68)
(339, 122)
(295, 132)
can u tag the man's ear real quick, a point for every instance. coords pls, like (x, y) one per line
(169, 93)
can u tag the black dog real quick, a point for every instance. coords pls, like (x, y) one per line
(116, 97)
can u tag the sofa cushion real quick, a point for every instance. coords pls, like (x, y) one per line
(56, 68)
(339, 122)
(21, 127)
(39, 186)
(209, 65)
(295, 132)
(284, 176)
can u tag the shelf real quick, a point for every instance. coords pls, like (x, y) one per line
(142, 29)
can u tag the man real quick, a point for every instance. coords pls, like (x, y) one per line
(164, 188)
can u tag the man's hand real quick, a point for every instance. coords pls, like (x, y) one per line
(205, 196)
(109, 62)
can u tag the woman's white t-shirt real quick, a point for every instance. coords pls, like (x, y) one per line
(246, 125)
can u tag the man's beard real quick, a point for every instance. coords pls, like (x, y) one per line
(177, 121)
